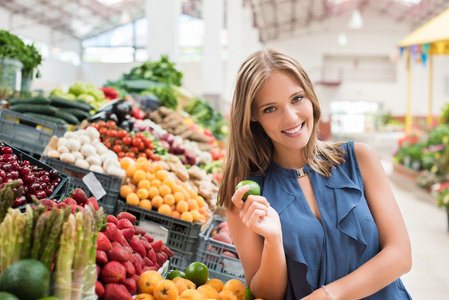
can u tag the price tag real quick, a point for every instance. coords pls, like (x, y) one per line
(157, 231)
(94, 185)
(233, 267)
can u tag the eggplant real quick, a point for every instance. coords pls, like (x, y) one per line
(100, 116)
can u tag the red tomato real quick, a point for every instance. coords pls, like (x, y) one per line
(96, 126)
(127, 140)
(111, 124)
(121, 154)
(103, 131)
(130, 154)
(108, 145)
(140, 135)
(137, 141)
(117, 148)
(148, 152)
(142, 155)
(112, 133)
(148, 142)
(141, 146)
(122, 133)
(134, 149)
(101, 123)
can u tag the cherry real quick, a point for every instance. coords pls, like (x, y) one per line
(25, 163)
(14, 174)
(17, 202)
(7, 167)
(43, 186)
(57, 180)
(49, 191)
(24, 170)
(45, 179)
(40, 194)
(8, 175)
(6, 150)
(53, 174)
(2, 174)
(28, 178)
(30, 197)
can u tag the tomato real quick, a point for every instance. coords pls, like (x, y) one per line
(130, 154)
(140, 135)
(101, 123)
(103, 131)
(117, 148)
(121, 154)
(148, 142)
(137, 141)
(111, 124)
(127, 140)
(218, 176)
(134, 149)
(122, 133)
(112, 133)
(108, 145)
(118, 142)
(148, 152)
(96, 126)
(141, 146)
(142, 155)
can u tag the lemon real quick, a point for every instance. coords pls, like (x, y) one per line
(254, 188)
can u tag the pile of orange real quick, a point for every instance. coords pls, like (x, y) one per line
(152, 286)
(152, 188)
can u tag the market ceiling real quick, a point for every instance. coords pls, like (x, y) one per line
(274, 18)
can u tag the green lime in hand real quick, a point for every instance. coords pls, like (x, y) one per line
(254, 188)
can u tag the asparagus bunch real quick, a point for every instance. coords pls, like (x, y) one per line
(11, 238)
(7, 196)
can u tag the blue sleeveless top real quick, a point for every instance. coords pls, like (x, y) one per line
(319, 253)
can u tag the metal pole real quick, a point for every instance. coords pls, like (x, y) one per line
(408, 117)
(429, 116)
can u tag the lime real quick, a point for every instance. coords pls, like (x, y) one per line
(175, 273)
(7, 296)
(248, 295)
(26, 279)
(197, 273)
(254, 188)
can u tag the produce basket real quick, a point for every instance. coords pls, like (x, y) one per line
(180, 261)
(210, 252)
(60, 190)
(27, 133)
(181, 236)
(111, 184)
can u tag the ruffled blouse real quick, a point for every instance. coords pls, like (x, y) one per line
(319, 253)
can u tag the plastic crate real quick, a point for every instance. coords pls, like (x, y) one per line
(181, 236)
(180, 261)
(60, 190)
(210, 252)
(27, 133)
(111, 184)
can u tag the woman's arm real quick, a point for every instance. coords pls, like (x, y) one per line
(256, 232)
(394, 259)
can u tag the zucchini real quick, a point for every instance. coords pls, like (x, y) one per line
(46, 118)
(33, 100)
(79, 113)
(61, 102)
(69, 118)
(84, 103)
(44, 109)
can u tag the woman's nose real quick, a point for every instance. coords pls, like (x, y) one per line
(290, 113)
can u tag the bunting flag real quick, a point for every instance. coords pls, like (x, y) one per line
(440, 47)
(401, 50)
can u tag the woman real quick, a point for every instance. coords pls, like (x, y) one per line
(326, 225)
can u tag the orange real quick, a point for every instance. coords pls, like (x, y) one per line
(200, 200)
(169, 199)
(157, 201)
(182, 206)
(168, 181)
(147, 281)
(153, 192)
(197, 273)
(193, 205)
(164, 190)
(217, 284)
(139, 175)
(143, 165)
(178, 196)
(164, 209)
(142, 193)
(207, 291)
(187, 216)
(235, 286)
(144, 184)
(183, 284)
(226, 295)
(132, 199)
(191, 295)
(165, 290)
(125, 190)
(156, 183)
(145, 203)
(175, 214)
(141, 159)
(144, 296)
(125, 163)
(130, 171)
(161, 175)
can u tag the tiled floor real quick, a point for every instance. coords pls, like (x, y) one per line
(428, 229)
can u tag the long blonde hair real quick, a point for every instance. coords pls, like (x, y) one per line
(249, 148)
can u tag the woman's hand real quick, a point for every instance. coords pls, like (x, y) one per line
(319, 294)
(257, 214)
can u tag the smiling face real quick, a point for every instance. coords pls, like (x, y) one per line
(286, 115)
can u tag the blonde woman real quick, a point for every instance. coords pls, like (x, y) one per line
(326, 225)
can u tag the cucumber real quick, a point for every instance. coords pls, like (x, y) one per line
(44, 109)
(33, 100)
(84, 103)
(46, 118)
(79, 113)
(69, 118)
(61, 102)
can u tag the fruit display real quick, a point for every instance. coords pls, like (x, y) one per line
(84, 149)
(193, 283)
(54, 242)
(32, 179)
(152, 186)
(124, 252)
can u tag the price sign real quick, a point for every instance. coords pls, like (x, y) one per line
(157, 231)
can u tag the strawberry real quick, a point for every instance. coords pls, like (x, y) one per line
(62, 205)
(130, 285)
(130, 270)
(148, 261)
(137, 262)
(80, 197)
(145, 243)
(114, 291)
(94, 202)
(137, 246)
(128, 233)
(152, 255)
(99, 289)
(127, 215)
(167, 251)
(116, 244)
(112, 219)
(135, 277)
(150, 268)
(156, 246)
(149, 238)
(160, 258)
(118, 254)
(80, 208)
(124, 223)
(113, 272)
(103, 243)
(139, 230)
(73, 207)
(98, 270)
(69, 201)
(115, 235)
(101, 257)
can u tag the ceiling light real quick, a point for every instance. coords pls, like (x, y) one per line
(109, 2)
(356, 21)
(125, 17)
(342, 39)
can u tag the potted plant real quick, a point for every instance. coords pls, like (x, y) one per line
(441, 193)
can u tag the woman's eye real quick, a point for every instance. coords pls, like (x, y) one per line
(298, 99)
(269, 109)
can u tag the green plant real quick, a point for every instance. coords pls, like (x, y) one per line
(162, 71)
(441, 193)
